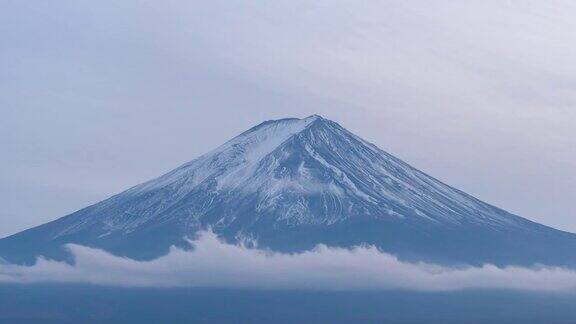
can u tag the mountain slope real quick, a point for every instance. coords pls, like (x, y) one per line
(293, 183)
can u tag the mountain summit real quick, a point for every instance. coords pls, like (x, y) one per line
(290, 184)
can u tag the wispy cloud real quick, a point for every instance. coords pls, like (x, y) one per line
(213, 263)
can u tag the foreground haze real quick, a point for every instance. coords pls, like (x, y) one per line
(91, 304)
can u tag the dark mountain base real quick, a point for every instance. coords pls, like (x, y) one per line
(474, 245)
(89, 304)
(471, 245)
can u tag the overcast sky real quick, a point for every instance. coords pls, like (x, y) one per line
(97, 96)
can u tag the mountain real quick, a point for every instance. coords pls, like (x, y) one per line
(290, 184)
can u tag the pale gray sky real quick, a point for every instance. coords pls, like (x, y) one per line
(96, 96)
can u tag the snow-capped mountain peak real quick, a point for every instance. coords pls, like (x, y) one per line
(294, 172)
(290, 184)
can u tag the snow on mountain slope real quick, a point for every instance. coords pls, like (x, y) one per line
(279, 160)
(292, 183)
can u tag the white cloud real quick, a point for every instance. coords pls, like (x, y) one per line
(216, 264)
